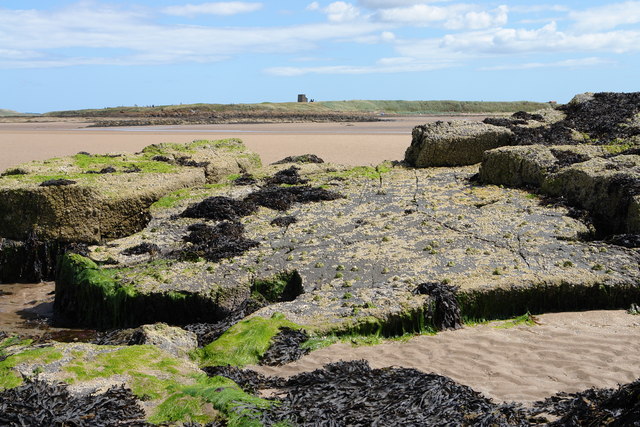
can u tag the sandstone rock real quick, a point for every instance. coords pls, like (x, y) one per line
(454, 143)
(218, 158)
(173, 340)
(111, 194)
(529, 165)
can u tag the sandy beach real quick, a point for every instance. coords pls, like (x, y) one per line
(361, 143)
(563, 352)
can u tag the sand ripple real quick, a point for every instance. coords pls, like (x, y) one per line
(564, 352)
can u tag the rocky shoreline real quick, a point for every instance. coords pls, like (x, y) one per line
(532, 213)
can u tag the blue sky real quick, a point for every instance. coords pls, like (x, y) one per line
(93, 53)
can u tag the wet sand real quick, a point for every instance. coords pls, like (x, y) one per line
(565, 352)
(359, 143)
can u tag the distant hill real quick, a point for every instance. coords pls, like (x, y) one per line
(309, 108)
(9, 113)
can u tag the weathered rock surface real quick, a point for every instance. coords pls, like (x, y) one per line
(596, 118)
(454, 143)
(358, 260)
(529, 165)
(608, 188)
(173, 340)
(105, 197)
(599, 173)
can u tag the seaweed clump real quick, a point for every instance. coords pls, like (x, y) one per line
(303, 158)
(57, 182)
(446, 312)
(285, 348)
(245, 179)
(595, 407)
(282, 198)
(213, 243)
(284, 221)
(142, 248)
(220, 208)
(289, 176)
(248, 380)
(209, 332)
(37, 403)
(351, 393)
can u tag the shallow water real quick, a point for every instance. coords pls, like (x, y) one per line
(26, 309)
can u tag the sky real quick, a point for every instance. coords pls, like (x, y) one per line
(69, 54)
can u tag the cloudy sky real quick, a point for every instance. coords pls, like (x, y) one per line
(94, 53)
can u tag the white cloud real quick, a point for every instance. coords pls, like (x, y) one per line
(478, 20)
(388, 4)
(539, 8)
(216, 8)
(607, 17)
(567, 63)
(383, 67)
(313, 6)
(121, 36)
(509, 41)
(456, 16)
(340, 11)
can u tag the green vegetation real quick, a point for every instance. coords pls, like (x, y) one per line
(122, 361)
(322, 107)
(245, 342)
(284, 286)
(10, 113)
(96, 162)
(526, 319)
(369, 172)
(36, 356)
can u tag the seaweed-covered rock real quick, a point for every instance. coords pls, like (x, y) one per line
(355, 261)
(288, 176)
(608, 188)
(529, 165)
(224, 240)
(303, 158)
(454, 143)
(446, 311)
(219, 159)
(605, 115)
(220, 208)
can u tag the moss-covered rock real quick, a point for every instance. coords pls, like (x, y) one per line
(87, 294)
(454, 143)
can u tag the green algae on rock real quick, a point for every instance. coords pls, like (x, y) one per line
(111, 194)
(360, 258)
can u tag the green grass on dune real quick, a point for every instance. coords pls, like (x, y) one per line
(352, 106)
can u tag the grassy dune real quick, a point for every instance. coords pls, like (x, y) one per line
(324, 107)
(9, 113)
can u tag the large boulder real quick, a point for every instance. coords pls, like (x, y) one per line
(529, 165)
(88, 198)
(454, 143)
(607, 187)
(605, 116)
